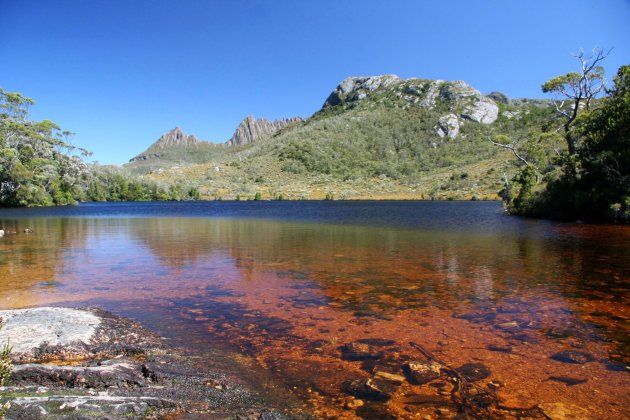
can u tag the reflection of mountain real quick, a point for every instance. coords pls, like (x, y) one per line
(375, 268)
(412, 267)
(178, 243)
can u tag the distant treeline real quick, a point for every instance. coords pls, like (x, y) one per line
(39, 167)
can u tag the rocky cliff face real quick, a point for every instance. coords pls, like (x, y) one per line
(175, 137)
(252, 129)
(459, 101)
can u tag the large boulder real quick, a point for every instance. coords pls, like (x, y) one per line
(448, 126)
(483, 110)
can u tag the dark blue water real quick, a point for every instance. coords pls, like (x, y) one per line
(446, 215)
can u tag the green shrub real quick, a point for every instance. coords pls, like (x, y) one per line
(6, 365)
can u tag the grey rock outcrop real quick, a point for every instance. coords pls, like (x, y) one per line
(483, 110)
(357, 88)
(251, 129)
(476, 107)
(499, 97)
(448, 126)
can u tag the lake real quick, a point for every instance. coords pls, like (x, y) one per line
(528, 318)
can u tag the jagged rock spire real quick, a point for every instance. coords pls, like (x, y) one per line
(252, 129)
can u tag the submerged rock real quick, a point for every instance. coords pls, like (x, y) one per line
(370, 388)
(422, 372)
(568, 380)
(391, 377)
(573, 356)
(561, 411)
(360, 351)
(473, 372)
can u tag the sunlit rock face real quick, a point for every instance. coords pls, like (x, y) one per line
(250, 129)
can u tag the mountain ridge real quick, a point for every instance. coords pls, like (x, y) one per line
(248, 131)
(374, 136)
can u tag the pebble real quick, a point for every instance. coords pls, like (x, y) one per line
(495, 385)
(354, 403)
(508, 325)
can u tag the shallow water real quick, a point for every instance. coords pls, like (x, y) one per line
(286, 285)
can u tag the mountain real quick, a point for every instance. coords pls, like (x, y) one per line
(174, 138)
(251, 130)
(374, 137)
(175, 148)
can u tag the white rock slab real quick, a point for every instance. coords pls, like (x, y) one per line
(27, 329)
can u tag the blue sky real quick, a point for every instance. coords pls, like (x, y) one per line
(119, 73)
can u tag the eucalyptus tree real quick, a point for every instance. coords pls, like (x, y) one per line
(579, 89)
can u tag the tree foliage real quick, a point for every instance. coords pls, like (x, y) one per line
(36, 167)
(590, 179)
(579, 88)
(605, 151)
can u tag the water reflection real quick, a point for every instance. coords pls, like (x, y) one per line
(275, 290)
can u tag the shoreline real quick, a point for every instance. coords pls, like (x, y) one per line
(88, 363)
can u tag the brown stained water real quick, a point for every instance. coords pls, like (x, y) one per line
(286, 287)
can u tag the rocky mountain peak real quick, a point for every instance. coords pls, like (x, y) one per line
(175, 137)
(251, 129)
